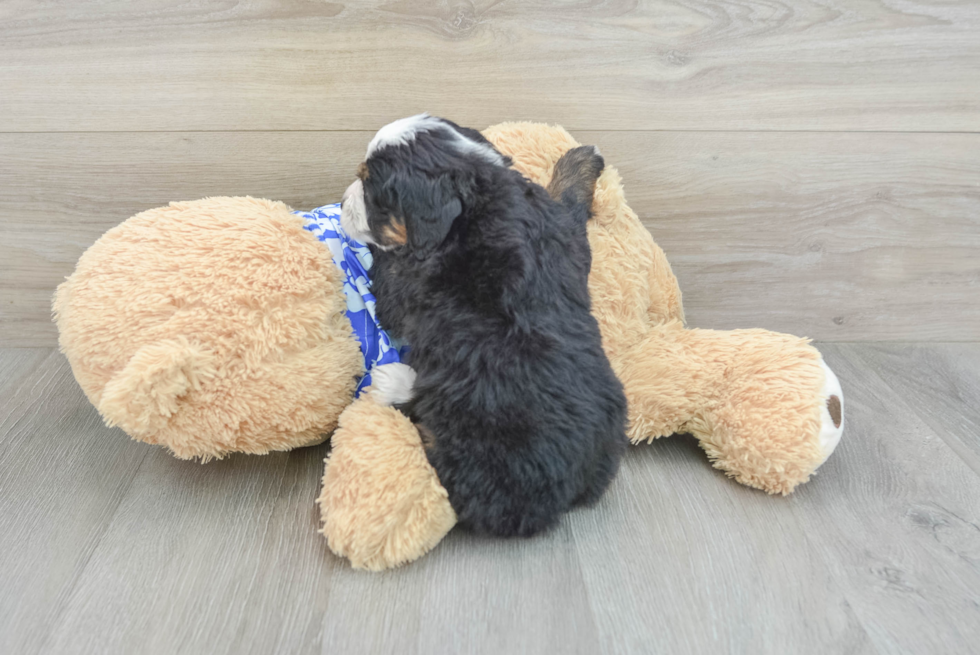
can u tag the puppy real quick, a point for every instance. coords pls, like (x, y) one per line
(485, 276)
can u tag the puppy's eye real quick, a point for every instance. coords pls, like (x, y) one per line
(394, 232)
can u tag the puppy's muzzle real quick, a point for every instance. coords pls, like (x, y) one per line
(353, 214)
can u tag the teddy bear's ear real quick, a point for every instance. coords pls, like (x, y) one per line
(143, 396)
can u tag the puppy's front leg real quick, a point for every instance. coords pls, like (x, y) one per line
(392, 384)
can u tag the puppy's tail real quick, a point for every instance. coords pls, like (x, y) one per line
(573, 182)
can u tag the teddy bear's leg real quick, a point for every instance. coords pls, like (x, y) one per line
(764, 406)
(381, 503)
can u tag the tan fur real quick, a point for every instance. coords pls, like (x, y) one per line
(381, 501)
(751, 397)
(211, 327)
(395, 232)
(718, 386)
(218, 326)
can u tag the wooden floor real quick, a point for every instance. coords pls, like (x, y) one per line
(112, 546)
(809, 166)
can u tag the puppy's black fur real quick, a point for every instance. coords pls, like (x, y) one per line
(522, 413)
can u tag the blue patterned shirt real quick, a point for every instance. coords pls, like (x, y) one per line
(354, 260)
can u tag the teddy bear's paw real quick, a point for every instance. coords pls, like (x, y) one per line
(831, 412)
(391, 384)
(381, 502)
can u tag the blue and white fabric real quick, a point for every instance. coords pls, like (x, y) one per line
(353, 258)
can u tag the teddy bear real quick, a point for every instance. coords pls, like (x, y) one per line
(222, 325)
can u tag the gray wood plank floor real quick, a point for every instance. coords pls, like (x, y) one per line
(619, 64)
(836, 236)
(111, 546)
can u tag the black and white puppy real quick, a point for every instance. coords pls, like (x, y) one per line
(485, 276)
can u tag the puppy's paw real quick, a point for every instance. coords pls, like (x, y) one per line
(391, 384)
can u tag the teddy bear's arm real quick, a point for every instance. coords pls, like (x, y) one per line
(381, 502)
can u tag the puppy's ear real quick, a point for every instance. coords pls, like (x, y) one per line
(430, 206)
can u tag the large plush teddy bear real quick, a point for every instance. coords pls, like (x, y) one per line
(221, 326)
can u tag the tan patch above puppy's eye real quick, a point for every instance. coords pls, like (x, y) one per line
(362, 170)
(395, 231)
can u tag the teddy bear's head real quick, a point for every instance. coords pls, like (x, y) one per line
(211, 327)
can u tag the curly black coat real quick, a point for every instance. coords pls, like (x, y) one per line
(485, 275)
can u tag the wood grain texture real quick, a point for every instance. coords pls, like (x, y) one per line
(622, 64)
(895, 515)
(60, 192)
(523, 597)
(835, 236)
(474, 595)
(183, 553)
(114, 547)
(681, 559)
(63, 475)
(16, 365)
(939, 382)
(840, 237)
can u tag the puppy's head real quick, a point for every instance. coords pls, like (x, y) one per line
(416, 180)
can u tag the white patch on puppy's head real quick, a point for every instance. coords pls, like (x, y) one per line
(405, 130)
(353, 214)
(402, 132)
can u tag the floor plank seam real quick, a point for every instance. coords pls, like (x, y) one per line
(586, 588)
(940, 434)
(69, 593)
(31, 405)
(265, 532)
